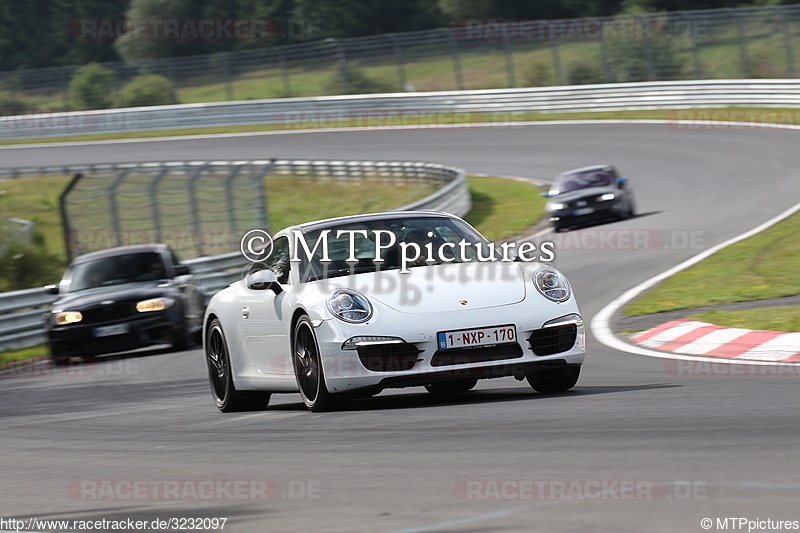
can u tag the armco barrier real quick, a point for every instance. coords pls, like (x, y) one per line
(332, 110)
(21, 312)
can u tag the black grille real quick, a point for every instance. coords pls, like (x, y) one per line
(462, 356)
(108, 313)
(548, 341)
(388, 357)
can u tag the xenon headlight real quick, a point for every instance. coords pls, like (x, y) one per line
(154, 304)
(606, 197)
(68, 317)
(552, 284)
(350, 306)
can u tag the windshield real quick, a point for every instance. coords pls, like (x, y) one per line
(435, 231)
(116, 270)
(582, 180)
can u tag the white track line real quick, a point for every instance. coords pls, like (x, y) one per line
(602, 329)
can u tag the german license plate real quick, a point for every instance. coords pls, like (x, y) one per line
(584, 211)
(466, 338)
(116, 329)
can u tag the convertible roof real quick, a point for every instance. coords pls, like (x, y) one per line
(122, 250)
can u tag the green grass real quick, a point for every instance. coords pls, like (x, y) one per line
(744, 114)
(767, 318)
(503, 208)
(764, 266)
(15, 356)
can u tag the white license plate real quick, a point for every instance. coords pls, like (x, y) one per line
(584, 211)
(116, 329)
(477, 337)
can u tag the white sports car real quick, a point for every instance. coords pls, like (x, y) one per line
(346, 307)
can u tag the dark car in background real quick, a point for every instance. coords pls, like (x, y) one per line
(122, 299)
(587, 195)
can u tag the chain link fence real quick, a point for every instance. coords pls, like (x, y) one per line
(476, 54)
(199, 208)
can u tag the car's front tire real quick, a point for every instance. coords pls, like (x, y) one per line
(554, 380)
(220, 375)
(308, 369)
(452, 386)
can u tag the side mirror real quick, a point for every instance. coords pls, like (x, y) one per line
(182, 270)
(546, 194)
(621, 182)
(51, 289)
(263, 280)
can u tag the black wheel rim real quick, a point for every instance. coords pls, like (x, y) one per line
(217, 356)
(306, 363)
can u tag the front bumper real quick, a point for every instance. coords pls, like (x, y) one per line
(78, 340)
(601, 211)
(422, 362)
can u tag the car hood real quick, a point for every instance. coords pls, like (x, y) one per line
(125, 292)
(582, 193)
(447, 287)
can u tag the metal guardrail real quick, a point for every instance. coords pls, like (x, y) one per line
(750, 42)
(21, 312)
(431, 108)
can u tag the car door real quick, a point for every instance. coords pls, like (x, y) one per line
(264, 332)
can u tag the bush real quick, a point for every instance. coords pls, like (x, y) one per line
(584, 73)
(11, 105)
(359, 83)
(91, 87)
(631, 62)
(539, 75)
(24, 266)
(148, 89)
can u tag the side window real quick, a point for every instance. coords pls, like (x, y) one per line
(278, 261)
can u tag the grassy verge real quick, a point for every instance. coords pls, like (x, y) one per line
(739, 114)
(767, 318)
(504, 208)
(763, 266)
(9, 358)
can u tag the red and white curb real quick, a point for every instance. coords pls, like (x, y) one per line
(691, 337)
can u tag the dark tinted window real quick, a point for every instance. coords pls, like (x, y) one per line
(116, 270)
(583, 180)
(278, 261)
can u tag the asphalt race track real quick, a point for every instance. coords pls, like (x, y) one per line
(699, 441)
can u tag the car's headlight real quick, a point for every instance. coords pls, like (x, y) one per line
(154, 304)
(68, 317)
(552, 284)
(606, 197)
(349, 306)
(557, 206)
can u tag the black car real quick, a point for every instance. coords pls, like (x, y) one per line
(590, 194)
(122, 299)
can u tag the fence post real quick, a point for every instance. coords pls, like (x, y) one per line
(64, 87)
(559, 72)
(398, 58)
(742, 42)
(226, 75)
(286, 75)
(787, 40)
(456, 59)
(607, 77)
(698, 65)
(509, 53)
(341, 62)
